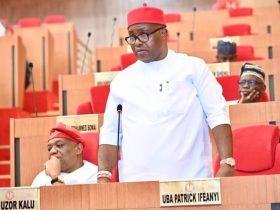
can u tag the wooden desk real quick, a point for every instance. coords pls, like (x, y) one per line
(248, 193)
(107, 58)
(65, 48)
(39, 47)
(255, 113)
(73, 90)
(12, 68)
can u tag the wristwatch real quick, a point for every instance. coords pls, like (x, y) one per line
(229, 161)
(59, 179)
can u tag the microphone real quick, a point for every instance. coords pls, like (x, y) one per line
(113, 31)
(119, 110)
(30, 68)
(85, 54)
(178, 41)
(193, 25)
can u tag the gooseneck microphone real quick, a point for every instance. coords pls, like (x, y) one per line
(178, 41)
(193, 25)
(119, 110)
(113, 31)
(30, 68)
(85, 54)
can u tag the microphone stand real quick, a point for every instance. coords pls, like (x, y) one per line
(30, 66)
(119, 110)
(82, 68)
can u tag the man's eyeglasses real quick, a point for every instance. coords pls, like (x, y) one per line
(141, 37)
(251, 82)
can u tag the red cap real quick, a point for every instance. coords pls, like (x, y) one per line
(145, 14)
(68, 132)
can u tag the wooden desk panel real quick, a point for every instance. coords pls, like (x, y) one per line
(109, 57)
(238, 193)
(254, 113)
(39, 47)
(12, 68)
(65, 48)
(33, 134)
(74, 90)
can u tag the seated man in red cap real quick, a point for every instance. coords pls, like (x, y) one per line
(168, 100)
(66, 164)
(251, 84)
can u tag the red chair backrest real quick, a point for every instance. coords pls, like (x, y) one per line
(172, 17)
(230, 86)
(84, 108)
(245, 53)
(29, 22)
(99, 96)
(264, 97)
(54, 19)
(91, 150)
(237, 30)
(256, 150)
(127, 59)
(241, 11)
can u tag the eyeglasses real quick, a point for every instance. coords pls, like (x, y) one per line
(144, 37)
(251, 82)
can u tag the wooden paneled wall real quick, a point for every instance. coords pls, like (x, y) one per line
(95, 16)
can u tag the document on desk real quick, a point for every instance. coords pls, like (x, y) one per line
(191, 192)
(20, 198)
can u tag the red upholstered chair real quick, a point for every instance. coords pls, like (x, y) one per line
(172, 17)
(99, 96)
(54, 19)
(256, 150)
(55, 87)
(29, 22)
(264, 97)
(5, 116)
(241, 11)
(45, 100)
(85, 108)
(237, 30)
(225, 4)
(116, 68)
(97, 105)
(91, 150)
(219, 4)
(5, 183)
(230, 86)
(246, 53)
(127, 59)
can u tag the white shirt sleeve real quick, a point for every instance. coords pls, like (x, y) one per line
(109, 130)
(210, 95)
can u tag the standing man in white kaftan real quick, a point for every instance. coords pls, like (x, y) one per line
(169, 100)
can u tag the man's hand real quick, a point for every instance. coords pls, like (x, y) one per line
(225, 170)
(254, 94)
(53, 167)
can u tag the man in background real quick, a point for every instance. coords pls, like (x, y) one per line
(226, 51)
(252, 84)
(66, 164)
